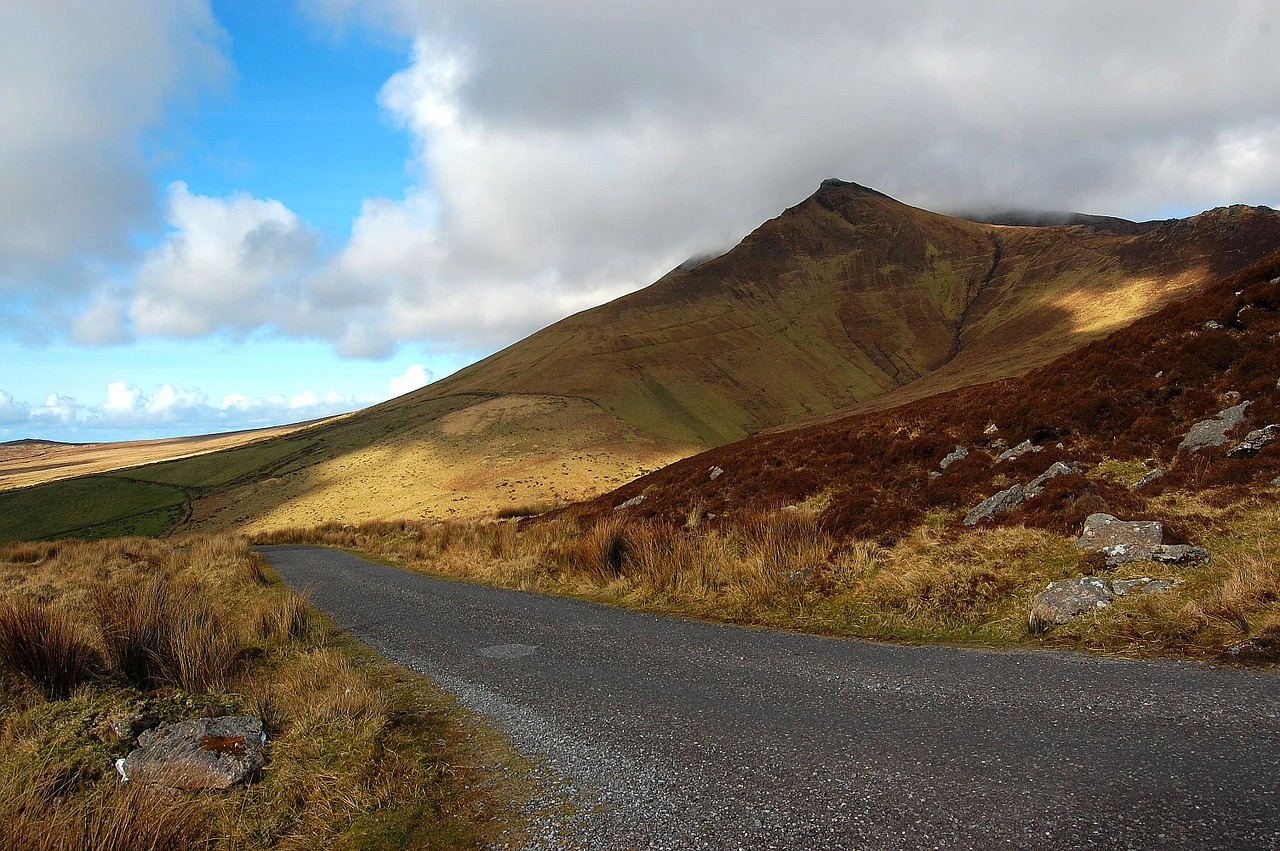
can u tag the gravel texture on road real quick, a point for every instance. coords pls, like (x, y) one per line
(663, 733)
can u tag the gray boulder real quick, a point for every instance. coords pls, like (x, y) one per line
(1142, 585)
(1035, 487)
(1179, 554)
(1213, 432)
(1104, 530)
(1018, 451)
(202, 753)
(1147, 478)
(630, 503)
(1254, 441)
(957, 454)
(714, 473)
(1008, 498)
(1012, 497)
(1067, 599)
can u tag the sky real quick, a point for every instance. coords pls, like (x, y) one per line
(227, 214)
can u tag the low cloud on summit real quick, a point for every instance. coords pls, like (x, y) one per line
(566, 153)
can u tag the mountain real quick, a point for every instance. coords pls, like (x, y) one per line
(847, 301)
(1115, 410)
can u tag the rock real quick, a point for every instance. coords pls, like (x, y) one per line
(1018, 451)
(202, 753)
(1118, 554)
(1142, 585)
(630, 503)
(957, 454)
(799, 578)
(715, 473)
(1103, 530)
(1213, 432)
(1254, 441)
(999, 443)
(1010, 497)
(1179, 554)
(1260, 650)
(1148, 478)
(992, 429)
(1213, 325)
(1035, 487)
(1014, 496)
(129, 727)
(1065, 600)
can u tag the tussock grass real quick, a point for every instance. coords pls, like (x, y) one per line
(358, 748)
(46, 645)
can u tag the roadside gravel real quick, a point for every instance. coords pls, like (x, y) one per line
(662, 733)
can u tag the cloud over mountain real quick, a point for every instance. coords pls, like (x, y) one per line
(566, 153)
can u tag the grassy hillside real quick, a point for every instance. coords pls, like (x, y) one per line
(844, 299)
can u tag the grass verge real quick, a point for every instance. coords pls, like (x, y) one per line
(937, 583)
(361, 754)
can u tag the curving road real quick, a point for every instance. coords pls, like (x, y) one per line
(674, 734)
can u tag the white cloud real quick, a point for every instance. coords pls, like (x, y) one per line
(84, 81)
(568, 152)
(129, 411)
(414, 377)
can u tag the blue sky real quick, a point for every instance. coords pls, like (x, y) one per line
(229, 214)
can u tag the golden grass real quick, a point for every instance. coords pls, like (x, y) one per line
(937, 584)
(358, 748)
(26, 464)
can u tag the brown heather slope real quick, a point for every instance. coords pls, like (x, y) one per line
(1118, 406)
(840, 300)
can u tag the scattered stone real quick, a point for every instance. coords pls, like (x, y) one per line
(1018, 451)
(715, 473)
(127, 728)
(1231, 396)
(1035, 487)
(1148, 478)
(1012, 497)
(1213, 325)
(990, 429)
(630, 503)
(1104, 530)
(202, 753)
(958, 454)
(1254, 441)
(1065, 600)
(1008, 498)
(1142, 585)
(1260, 650)
(1275, 483)
(1213, 432)
(1179, 554)
(999, 443)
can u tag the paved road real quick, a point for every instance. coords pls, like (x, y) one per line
(679, 734)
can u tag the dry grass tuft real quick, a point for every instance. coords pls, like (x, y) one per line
(160, 632)
(46, 645)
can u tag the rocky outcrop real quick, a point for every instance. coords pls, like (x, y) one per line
(630, 503)
(1147, 478)
(1254, 442)
(1142, 585)
(1179, 554)
(1018, 451)
(1065, 600)
(958, 454)
(1105, 530)
(1015, 495)
(202, 753)
(1126, 541)
(1213, 432)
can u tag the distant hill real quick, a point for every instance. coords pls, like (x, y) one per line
(847, 301)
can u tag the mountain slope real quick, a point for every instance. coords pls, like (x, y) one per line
(1118, 408)
(848, 298)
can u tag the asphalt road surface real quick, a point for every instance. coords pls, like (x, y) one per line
(664, 733)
